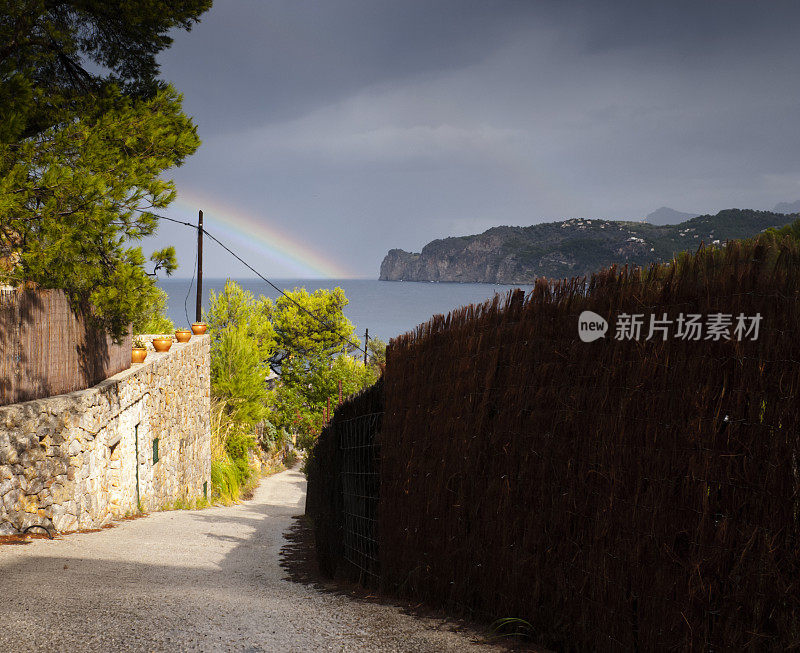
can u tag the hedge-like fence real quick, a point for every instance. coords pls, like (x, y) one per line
(343, 483)
(616, 494)
(47, 349)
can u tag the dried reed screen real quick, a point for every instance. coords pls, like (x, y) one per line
(343, 485)
(615, 494)
(46, 349)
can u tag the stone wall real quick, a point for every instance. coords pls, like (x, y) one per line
(79, 460)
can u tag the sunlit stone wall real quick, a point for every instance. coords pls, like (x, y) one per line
(79, 460)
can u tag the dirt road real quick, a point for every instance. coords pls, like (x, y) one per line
(206, 580)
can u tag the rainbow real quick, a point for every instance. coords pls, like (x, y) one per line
(228, 222)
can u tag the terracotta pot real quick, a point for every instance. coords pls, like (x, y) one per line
(199, 328)
(183, 335)
(138, 355)
(162, 344)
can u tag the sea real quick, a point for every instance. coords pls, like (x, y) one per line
(386, 308)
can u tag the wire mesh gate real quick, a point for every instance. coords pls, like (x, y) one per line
(360, 482)
(344, 486)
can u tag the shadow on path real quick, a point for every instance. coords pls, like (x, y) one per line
(298, 560)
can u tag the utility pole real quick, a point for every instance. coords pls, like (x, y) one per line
(199, 312)
(366, 345)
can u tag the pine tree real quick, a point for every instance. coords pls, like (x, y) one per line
(72, 199)
(83, 147)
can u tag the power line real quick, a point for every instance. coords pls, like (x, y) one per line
(260, 276)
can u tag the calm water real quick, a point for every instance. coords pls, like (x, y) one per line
(386, 308)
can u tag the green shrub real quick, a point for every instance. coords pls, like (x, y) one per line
(238, 446)
(238, 377)
(283, 438)
(225, 480)
(230, 446)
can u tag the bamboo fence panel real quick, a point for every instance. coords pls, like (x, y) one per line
(47, 349)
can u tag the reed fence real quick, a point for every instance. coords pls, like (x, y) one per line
(343, 484)
(620, 494)
(47, 349)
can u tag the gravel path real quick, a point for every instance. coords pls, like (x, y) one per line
(205, 580)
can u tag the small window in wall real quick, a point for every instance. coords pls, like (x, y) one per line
(155, 450)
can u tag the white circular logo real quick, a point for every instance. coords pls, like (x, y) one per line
(591, 326)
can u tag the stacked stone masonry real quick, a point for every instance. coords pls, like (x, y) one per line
(79, 460)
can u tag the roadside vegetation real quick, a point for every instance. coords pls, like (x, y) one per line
(276, 371)
(231, 472)
(792, 229)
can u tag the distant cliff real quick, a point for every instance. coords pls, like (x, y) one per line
(574, 247)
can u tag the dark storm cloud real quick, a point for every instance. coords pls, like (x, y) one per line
(361, 126)
(292, 56)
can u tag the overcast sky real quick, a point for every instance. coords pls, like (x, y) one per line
(352, 127)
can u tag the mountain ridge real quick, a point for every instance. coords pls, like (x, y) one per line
(665, 215)
(574, 247)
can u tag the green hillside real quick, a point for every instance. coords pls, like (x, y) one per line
(569, 248)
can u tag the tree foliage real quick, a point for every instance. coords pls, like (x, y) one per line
(72, 196)
(56, 53)
(86, 132)
(376, 349)
(238, 376)
(309, 325)
(792, 229)
(306, 390)
(235, 308)
(242, 339)
(152, 318)
(248, 335)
